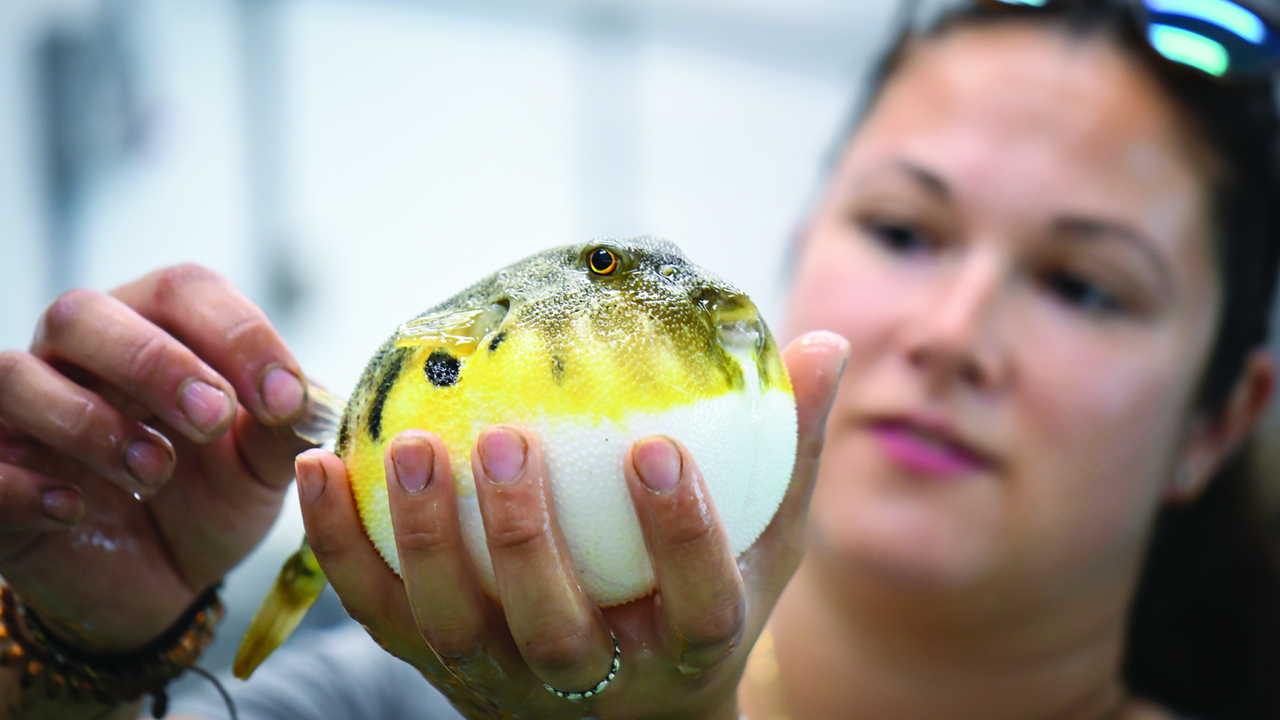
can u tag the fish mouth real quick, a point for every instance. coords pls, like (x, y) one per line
(741, 334)
(735, 318)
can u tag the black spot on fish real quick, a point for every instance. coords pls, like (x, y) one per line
(388, 379)
(557, 369)
(496, 341)
(442, 368)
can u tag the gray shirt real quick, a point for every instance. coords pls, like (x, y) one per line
(338, 674)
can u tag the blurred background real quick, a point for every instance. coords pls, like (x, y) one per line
(350, 163)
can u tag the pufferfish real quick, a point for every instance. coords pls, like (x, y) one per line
(590, 348)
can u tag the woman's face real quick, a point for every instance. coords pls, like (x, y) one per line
(1016, 245)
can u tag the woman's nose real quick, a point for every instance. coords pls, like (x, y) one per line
(954, 335)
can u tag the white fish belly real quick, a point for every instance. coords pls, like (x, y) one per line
(744, 445)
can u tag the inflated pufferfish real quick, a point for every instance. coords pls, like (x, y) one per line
(591, 348)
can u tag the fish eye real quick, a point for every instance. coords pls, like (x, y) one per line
(602, 261)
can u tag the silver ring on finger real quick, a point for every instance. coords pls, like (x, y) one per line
(600, 686)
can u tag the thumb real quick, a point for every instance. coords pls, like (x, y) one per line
(815, 362)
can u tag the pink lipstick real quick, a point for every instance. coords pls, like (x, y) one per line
(921, 451)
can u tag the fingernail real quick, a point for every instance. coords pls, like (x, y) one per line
(502, 453)
(63, 505)
(411, 462)
(148, 462)
(205, 406)
(311, 479)
(282, 393)
(657, 462)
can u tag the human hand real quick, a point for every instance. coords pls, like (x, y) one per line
(683, 648)
(174, 387)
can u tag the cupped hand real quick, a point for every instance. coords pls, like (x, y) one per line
(683, 648)
(174, 388)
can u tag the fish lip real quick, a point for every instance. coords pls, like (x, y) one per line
(940, 429)
(746, 334)
(735, 318)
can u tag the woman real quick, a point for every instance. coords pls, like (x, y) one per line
(1052, 254)
(1054, 335)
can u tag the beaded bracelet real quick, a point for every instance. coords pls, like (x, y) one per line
(26, 643)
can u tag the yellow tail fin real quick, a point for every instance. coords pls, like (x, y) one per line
(297, 587)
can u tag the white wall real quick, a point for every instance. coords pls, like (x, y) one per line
(22, 247)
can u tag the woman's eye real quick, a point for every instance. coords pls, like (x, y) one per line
(900, 237)
(1078, 292)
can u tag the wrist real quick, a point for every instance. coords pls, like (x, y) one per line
(31, 703)
(46, 665)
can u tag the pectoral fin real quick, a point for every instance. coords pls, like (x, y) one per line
(297, 587)
(319, 423)
(459, 331)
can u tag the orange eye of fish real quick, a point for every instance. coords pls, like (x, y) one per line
(603, 262)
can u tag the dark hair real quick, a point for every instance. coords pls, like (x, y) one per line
(1204, 627)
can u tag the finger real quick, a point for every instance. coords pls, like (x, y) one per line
(439, 578)
(26, 453)
(240, 477)
(702, 596)
(815, 362)
(370, 592)
(207, 313)
(42, 403)
(33, 503)
(560, 633)
(267, 452)
(15, 447)
(102, 335)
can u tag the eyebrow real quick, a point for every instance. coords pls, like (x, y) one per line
(931, 181)
(1072, 227)
(1093, 229)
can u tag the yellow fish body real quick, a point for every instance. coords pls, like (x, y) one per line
(590, 347)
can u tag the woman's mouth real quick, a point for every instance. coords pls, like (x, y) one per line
(926, 451)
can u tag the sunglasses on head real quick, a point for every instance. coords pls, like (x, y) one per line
(1225, 39)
